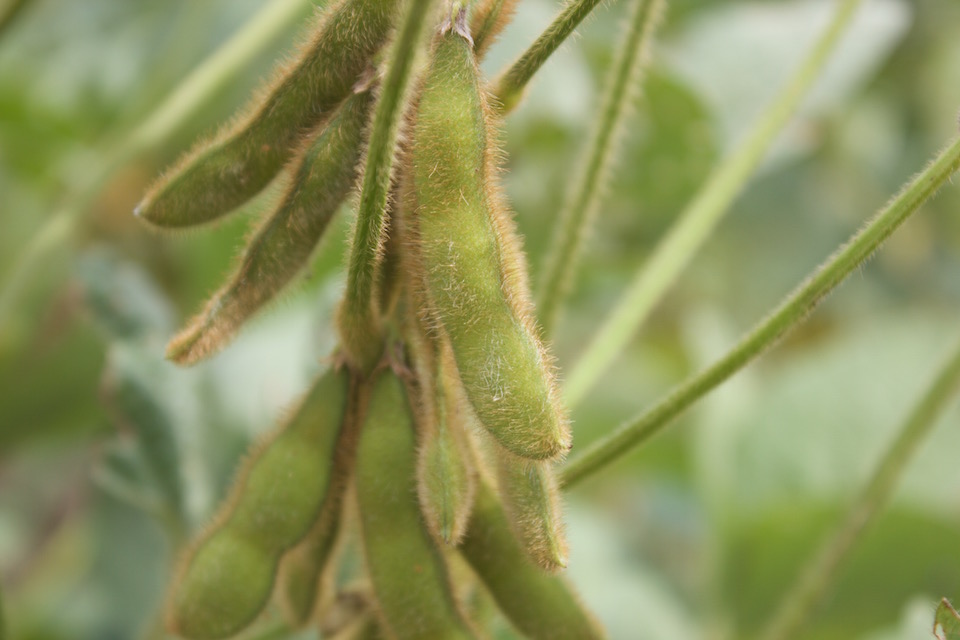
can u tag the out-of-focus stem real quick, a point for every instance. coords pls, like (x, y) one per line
(598, 161)
(821, 569)
(789, 314)
(693, 227)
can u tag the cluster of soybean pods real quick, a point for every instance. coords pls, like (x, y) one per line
(433, 432)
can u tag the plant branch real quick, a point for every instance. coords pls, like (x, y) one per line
(508, 88)
(786, 316)
(598, 161)
(180, 106)
(697, 221)
(359, 319)
(806, 592)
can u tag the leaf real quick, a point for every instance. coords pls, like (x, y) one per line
(946, 625)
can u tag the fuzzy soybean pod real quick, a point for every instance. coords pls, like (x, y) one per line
(306, 572)
(409, 575)
(226, 577)
(220, 175)
(446, 473)
(540, 605)
(324, 174)
(531, 498)
(472, 274)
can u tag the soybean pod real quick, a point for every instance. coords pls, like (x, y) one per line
(306, 572)
(531, 499)
(325, 172)
(446, 473)
(540, 605)
(226, 577)
(220, 175)
(472, 271)
(409, 575)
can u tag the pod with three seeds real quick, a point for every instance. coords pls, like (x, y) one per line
(409, 574)
(471, 270)
(226, 577)
(220, 175)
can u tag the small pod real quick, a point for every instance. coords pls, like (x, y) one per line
(540, 605)
(220, 175)
(409, 575)
(324, 174)
(470, 267)
(226, 577)
(446, 474)
(531, 499)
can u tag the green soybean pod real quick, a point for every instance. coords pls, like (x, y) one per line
(446, 474)
(306, 578)
(473, 274)
(531, 498)
(324, 173)
(540, 605)
(219, 175)
(409, 575)
(226, 577)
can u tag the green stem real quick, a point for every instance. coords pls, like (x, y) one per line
(693, 227)
(598, 161)
(359, 320)
(508, 88)
(806, 592)
(787, 315)
(231, 59)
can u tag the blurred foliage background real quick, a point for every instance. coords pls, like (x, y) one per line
(694, 537)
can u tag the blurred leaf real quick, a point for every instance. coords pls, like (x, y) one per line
(714, 49)
(901, 555)
(123, 300)
(620, 589)
(947, 622)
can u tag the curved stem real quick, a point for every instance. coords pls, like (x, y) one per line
(508, 88)
(359, 322)
(787, 315)
(598, 161)
(182, 104)
(697, 221)
(798, 601)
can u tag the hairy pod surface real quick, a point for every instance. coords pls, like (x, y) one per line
(218, 176)
(531, 499)
(306, 572)
(408, 572)
(226, 578)
(446, 475)
(540, 605)
(324, 174)
(472, 273)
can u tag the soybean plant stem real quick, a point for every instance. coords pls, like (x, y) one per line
(509, 87)
(787, 315)
(598, 161)
(697, 221)
(359, 321)
(182, 104)
(819, 572)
